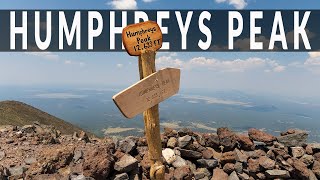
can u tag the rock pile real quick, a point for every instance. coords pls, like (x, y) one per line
(41, 152)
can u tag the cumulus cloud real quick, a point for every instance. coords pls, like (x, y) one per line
(312, 63)
(238, 4)
(244, 44)
(119, 65)
(314, 59)
(237, 65)
(69, 62)
(314, 54)
(46, 55)
(123, 4)
(290, 36)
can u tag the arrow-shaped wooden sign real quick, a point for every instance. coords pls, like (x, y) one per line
(148, 92)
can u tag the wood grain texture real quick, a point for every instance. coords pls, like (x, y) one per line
(148, 92)
(137, 38)
(151, 120)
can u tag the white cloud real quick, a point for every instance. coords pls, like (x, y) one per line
(290, 35)
(238, 4)
(119, 65)
(311, 64)
(69, 62)
(313, 60)
(244, 44)
(123, 4)
(314, 54)
(45, 54)
(237, 65)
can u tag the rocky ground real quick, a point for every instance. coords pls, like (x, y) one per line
(41, 152)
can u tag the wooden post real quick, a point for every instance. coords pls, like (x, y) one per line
(151, 120)
(143, 40)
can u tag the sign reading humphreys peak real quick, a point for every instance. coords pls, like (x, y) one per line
(140, 37)
(183, 30)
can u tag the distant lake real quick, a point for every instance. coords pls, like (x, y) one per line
(200, 110)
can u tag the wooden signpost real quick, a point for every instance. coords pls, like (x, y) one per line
(148, 92)
(143, 40)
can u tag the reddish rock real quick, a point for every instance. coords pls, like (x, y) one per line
(309, 150)
(266, 162)
(126, 163)
(228, 168)
(253, 165)
(170, 174)
(261, 136)
(228, 157)
(240, 156)
(285, 164)
(219, 174)
(215, 154)
(98, 163)
(52, 160)
(289, 131)
(227, 138)
(317, 156)
(145, 164)
(297, 152)
(183, 173)
(118, 154)
(47, 177)
(300, 169)
(211, 140)
(207, 154)
(245, 142)
(316, 168)
(307, 159)
(281, 152)
(271, 154)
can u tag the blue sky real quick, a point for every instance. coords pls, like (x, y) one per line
(296, 74)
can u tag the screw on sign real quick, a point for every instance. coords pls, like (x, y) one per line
(143, 40)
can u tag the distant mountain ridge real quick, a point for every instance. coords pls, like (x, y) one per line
(19, 114)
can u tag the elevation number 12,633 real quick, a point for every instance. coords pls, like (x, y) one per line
(147, 45)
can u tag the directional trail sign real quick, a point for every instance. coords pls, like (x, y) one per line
(143, 40)
(140, 37)
(148, 92)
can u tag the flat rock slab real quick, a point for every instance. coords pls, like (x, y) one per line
(296, 139)
(190, 154)
(277, 174)
(126, 164)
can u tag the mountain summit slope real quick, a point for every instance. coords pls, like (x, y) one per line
(19, 114)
